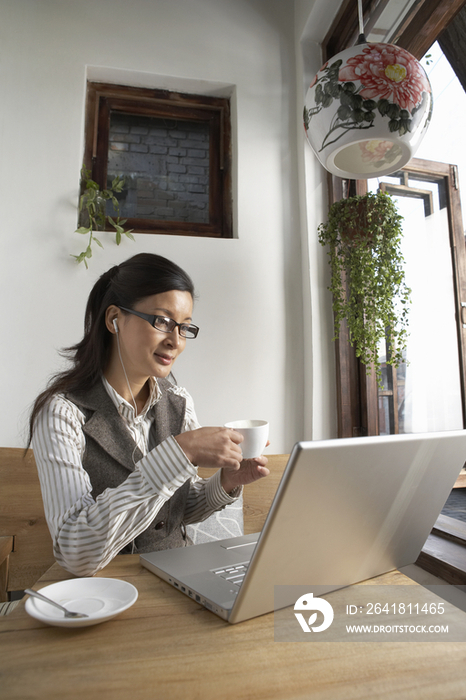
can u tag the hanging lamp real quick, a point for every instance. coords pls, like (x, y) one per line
(368, 109)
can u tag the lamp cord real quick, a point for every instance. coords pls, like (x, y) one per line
(361, 17)
(361, 37)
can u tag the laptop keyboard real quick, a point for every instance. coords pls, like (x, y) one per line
(233, 574)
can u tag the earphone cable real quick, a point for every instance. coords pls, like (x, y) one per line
(132, 396)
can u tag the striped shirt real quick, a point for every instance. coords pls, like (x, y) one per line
(88, 533)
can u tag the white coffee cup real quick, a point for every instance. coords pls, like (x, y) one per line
(255, 433)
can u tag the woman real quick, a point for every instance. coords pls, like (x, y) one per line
(116, 442)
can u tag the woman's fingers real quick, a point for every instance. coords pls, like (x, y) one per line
(212, 447)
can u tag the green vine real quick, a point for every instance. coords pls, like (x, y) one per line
(367, 277)
(93, 216)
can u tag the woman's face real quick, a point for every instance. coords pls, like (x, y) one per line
(146, 351)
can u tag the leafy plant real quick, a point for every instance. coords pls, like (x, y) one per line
(367, 276)
(92, 212)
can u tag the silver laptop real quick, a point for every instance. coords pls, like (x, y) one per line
(345, 510)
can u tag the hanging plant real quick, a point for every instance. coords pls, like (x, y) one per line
(92, 212)
(364, 234)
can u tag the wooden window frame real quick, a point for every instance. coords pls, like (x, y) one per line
(419, 30)
(357, 390)
(104, 98)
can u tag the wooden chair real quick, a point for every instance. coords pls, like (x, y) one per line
(26, 546)
(25, 542)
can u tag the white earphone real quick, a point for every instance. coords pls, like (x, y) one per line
(115, 325)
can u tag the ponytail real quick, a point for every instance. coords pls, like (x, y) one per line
(97, 296)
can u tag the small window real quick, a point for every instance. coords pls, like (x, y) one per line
(173, 151)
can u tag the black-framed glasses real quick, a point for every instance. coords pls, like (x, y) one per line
(164, 324)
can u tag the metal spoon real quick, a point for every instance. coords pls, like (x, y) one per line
(68, 613)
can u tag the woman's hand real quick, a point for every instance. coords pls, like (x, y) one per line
(249, 470)
(213, 448)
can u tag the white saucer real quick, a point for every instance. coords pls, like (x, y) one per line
(99, 598)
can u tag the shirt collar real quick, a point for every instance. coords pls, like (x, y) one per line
(125, 408)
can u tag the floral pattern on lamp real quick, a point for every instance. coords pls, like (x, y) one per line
(367, 110)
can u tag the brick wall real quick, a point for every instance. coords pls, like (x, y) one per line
(166, 165)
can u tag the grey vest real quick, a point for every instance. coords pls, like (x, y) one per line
(110, 450)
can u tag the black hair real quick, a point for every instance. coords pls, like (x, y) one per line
(141, 276)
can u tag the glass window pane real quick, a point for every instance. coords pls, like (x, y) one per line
(429, 390)
(401, 391)
(384, 416)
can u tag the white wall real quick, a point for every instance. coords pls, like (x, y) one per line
(264, 349)
(312, 22)
(249, 358)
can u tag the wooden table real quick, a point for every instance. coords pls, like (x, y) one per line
(167, 647)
